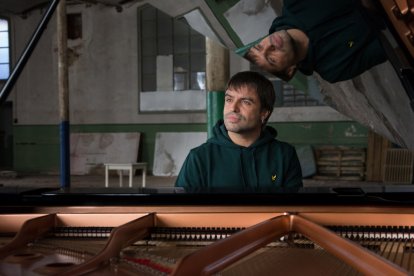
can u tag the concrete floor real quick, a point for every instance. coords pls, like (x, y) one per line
(82, 181)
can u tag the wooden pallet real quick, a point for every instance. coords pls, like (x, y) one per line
(399, 166)
(340, 163)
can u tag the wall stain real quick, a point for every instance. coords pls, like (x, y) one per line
(106, 140)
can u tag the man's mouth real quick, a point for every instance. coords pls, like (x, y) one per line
(233, 118)
(276, 41)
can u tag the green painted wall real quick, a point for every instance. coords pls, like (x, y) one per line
(36, 148)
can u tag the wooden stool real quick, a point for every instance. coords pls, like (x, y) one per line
(130, 167)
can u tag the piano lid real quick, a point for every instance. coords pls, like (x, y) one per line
(400, 195)
(382, 98)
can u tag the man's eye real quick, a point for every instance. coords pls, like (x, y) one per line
(247, 102)
(258, 47)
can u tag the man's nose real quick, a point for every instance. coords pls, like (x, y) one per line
(266, 45)
(234, 106)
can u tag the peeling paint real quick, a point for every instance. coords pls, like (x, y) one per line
(73, 54)
(105, 141)
(351, 131)
(169, 167)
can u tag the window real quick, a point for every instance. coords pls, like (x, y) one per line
(172, 63)
(4, 49)
(74, 25)
(287, 95)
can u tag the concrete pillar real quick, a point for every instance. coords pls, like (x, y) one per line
(217, 75)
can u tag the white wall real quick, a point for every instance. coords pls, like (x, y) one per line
(103, 72)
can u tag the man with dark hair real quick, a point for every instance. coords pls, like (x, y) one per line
(243, 152)
(337, 39)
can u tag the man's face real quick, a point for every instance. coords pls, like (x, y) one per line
(242, 110)
(274, 53)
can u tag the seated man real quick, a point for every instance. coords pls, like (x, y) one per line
(243, 152)
(337, 39)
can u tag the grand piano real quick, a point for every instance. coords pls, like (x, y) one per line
(320, 230)
(333, 231)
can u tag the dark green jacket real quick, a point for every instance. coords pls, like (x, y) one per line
(343, 36)
(219, 163)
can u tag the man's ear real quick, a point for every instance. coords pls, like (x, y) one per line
(290, 72)
(264, 115)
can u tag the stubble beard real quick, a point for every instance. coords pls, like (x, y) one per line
(233, 127)
(240, 127)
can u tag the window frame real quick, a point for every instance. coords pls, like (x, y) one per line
(171, 101)
(2, 81)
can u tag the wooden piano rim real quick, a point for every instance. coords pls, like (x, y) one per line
(223, 253)
(219, 216)
(217, 256)
(399, 23)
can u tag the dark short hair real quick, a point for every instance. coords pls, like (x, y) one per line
(260, 84)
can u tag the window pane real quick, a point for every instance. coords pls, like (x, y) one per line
(181, 45)
(4, 49)
(4, 71)
(181, 38)
(74, 25)
(198, 43)
(181, 63)
(148, 13)
(180, 81)
(198, 80)
(149, 47)
(4, 39)
(4, 55)
(148, 82)
(4, 25)
(165, 46)
(198, 62)
(148, 30)
(148, 65)
(164, 25)
(180, 28)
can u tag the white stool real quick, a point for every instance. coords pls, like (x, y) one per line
(130, 167)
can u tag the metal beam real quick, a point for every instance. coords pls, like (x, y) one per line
(8, 86)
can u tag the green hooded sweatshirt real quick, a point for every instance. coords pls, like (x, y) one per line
(219, 163)
(343, 36)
